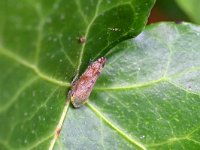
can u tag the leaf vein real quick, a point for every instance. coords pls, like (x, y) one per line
(122, 133)
(17, 94)
(63, 50)
(37, 110)
(87, 33)
(179, 86)
(130, 87)
(81, 12)
(42, 140)
(32, 67)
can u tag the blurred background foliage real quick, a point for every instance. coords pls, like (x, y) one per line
(174, 10)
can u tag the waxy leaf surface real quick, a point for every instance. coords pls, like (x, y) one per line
(40, 54)
(147, 97)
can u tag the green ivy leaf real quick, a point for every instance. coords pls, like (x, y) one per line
(148, 96)
(40, 54)
(191, 8)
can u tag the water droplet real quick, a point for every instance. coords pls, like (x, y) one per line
(47, 54)
(52, 56)
(33, 131)
(28, 27)
(25, 114)
(25, 141)
(49, 38)
(108, 1)
(60, 35)
(49, 20)
(62, 16)
(33, 93)
(55, 6)
(55, 39)
(142, 137)
(69, 38)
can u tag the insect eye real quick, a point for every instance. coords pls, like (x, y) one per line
(72, 98)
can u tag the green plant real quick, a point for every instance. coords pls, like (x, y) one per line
(147, 96)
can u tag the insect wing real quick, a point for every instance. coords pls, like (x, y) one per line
(83, 86)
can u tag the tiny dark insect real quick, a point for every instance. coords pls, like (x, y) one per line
(58, 131)
(82, 39)
(82, 87)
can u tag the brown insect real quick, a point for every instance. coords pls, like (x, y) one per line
(82, 39)
(82, 87)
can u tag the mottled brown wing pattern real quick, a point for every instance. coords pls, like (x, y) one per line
(82, 87)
